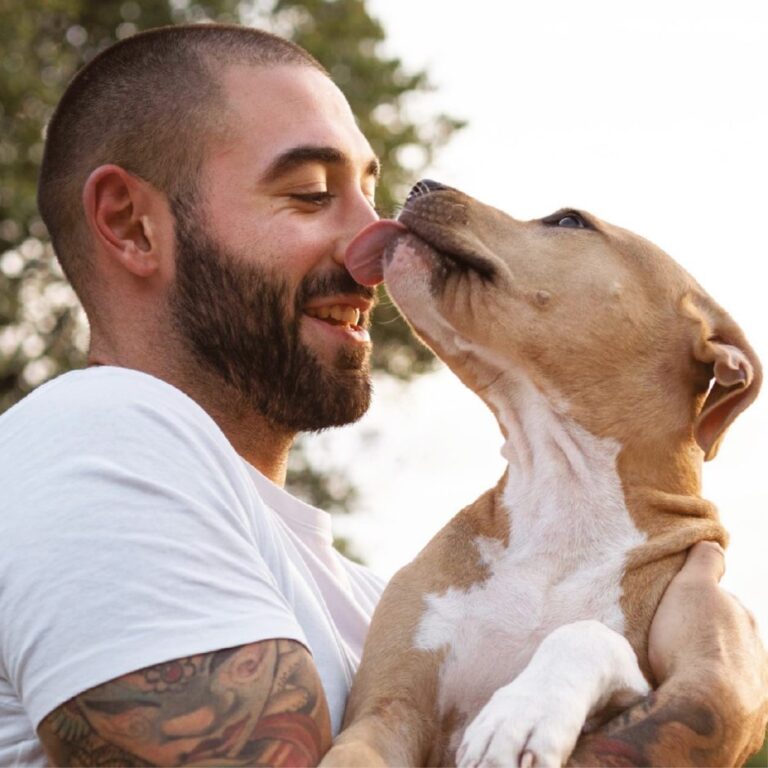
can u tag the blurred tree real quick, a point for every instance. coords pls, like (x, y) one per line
(42, 44)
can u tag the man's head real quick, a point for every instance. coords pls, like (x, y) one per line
(211, 177)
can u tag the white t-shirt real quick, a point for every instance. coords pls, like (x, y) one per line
(132, 533)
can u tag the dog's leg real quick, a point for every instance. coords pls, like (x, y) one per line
(577, 670)
(390, 718)
(390, 737)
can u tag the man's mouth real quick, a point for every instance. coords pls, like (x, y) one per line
(337, 314)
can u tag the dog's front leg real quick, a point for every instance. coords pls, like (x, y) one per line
(577, 671)
(388, 737)
(391, 713)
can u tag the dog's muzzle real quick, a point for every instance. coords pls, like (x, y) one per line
(424, 187)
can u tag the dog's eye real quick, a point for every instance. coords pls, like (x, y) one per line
(569, 219)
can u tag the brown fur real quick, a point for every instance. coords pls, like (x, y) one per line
(613, 327)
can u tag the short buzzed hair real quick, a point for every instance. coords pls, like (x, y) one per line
(151, 104)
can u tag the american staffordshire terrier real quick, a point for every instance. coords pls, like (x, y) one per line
(611, 373)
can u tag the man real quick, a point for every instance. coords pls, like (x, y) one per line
(162, 599)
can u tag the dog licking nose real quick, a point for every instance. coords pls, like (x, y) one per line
(365, 253)
(364, 258)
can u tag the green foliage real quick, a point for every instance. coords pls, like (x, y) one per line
(43, 43)
(760, 758)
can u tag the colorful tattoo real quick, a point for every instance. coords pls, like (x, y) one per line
(259, 704)
(661, 730)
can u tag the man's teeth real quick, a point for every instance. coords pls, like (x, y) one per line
(341, 313)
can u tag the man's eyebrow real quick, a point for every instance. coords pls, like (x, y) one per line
(302, 155)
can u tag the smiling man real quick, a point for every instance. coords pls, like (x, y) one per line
(200, 186)
(163, 600)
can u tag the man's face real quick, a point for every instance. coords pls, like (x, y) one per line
(261, 294)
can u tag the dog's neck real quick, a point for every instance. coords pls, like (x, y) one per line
(562, 475)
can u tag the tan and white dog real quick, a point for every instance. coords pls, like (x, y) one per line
(611, 374)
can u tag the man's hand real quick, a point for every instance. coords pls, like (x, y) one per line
(712, 704)
(700, 628)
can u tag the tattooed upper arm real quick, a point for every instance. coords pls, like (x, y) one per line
(257, 704)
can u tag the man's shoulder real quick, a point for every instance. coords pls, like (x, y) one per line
(91, 389)
(97, 399)
(109, 413)
(97, 443)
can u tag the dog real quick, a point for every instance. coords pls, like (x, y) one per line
(612, 374)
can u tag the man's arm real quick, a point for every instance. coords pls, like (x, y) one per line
(677, 725)
(712, 706)
(257, 704)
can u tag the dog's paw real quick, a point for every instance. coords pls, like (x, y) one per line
(577, 670)
(519, 727)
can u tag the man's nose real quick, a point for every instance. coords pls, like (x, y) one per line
(364, 215)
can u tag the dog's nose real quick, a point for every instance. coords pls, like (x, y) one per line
(423, 187)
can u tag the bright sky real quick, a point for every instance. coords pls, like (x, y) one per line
(653, 115)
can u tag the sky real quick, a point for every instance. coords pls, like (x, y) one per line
(654, 116)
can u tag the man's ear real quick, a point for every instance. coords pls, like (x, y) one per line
(121, 209)
(736, 371)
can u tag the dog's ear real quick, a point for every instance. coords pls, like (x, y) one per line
(735, 375)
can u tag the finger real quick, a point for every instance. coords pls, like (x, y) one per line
(705, 561)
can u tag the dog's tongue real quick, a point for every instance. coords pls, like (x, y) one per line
(364, 254)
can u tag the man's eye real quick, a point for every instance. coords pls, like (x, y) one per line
(315, 198)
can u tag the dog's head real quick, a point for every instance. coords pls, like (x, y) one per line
(592, 314)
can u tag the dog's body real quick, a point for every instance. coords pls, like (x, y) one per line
(595, 352)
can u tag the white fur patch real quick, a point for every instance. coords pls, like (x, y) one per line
(570, 532)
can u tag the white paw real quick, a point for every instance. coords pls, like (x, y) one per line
(520, 727)
(576, 671)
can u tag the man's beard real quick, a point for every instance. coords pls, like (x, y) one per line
(235, 318)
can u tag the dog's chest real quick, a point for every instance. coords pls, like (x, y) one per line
(492, 630)
(564, 562)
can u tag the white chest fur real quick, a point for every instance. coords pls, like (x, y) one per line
(570, 532)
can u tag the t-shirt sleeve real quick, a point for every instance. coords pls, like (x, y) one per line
(128, 540)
